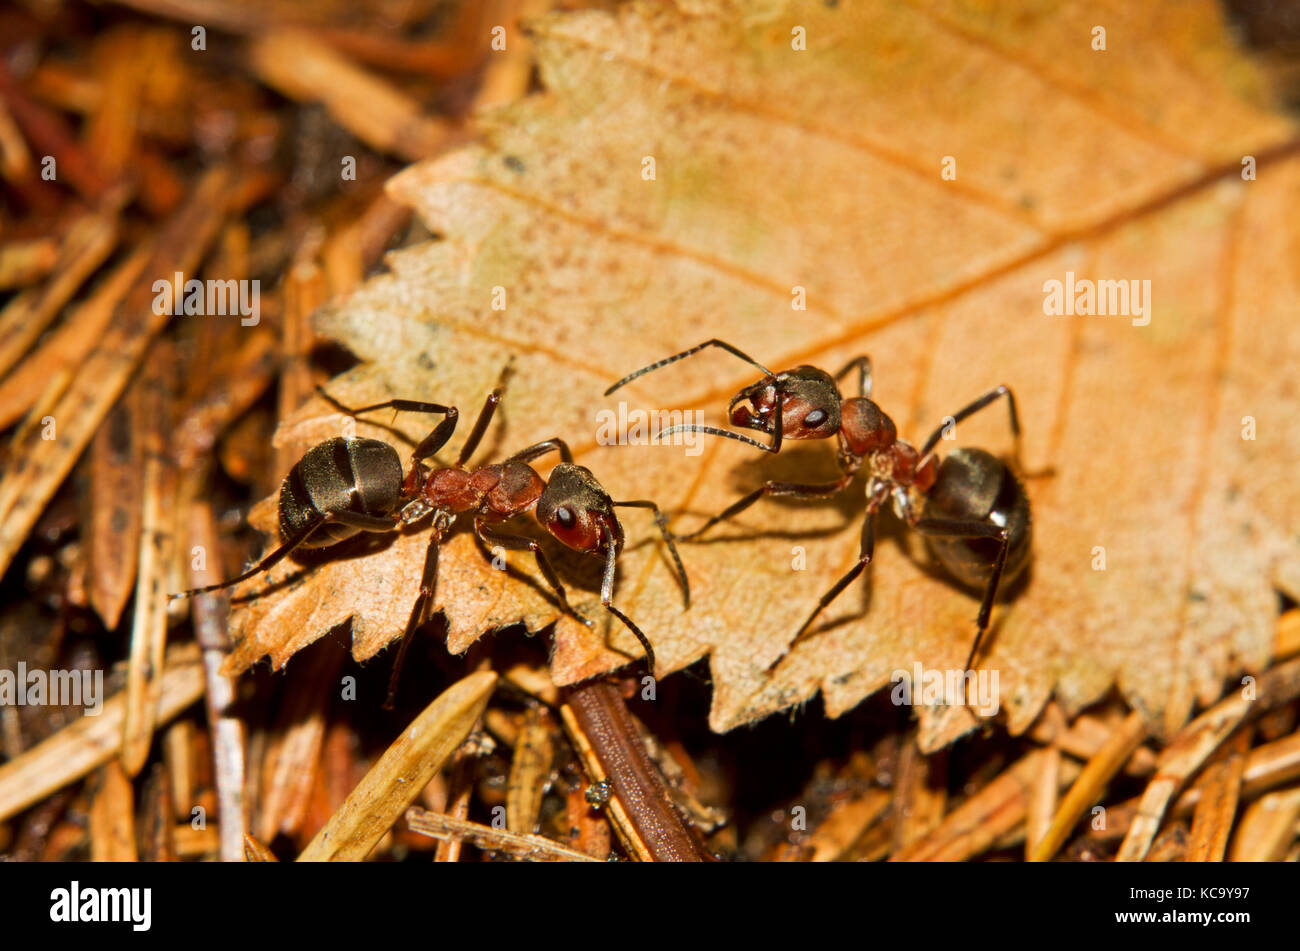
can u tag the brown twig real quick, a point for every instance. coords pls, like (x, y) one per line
(606, 738)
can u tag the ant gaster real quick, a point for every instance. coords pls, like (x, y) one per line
(970, 507)
(345, 486)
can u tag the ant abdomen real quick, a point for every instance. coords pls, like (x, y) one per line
(974, 484)
(339, 475)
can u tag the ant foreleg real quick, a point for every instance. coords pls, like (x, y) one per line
(866, 550)
(799, 490)
(484, 416)
(522, 543)
(863, 365)
(537, 450)
(970, 410)
(431, 443)
(662, 522)
(688, 353)
(959, 528)
(607, 597)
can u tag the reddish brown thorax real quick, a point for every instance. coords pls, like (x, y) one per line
(507, 488)
(905, 471)
(867, 432)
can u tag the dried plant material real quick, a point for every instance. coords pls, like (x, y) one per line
(116, 505)
(255, 851)
(101, 378)
(1288, 634)
(530, 770)
(157, 544)
(1268, 828)
(535, 848)
(112, 817)
(987, 819)
(1090, 785)
(509, 71)
(244, 375)
(1043, 801)
(192, 843)
(609, 744)
(459, 790)
(157, 823)
(1084, 738)
(27, 315)
(723, 176)
(402, 772)
(848, 822)
(210, 632)
(1190, 748)
(1267, 767)
(92, 741)
(48, 134)
(1220, 787)
(15, 159)
(303, 67)
(304, 291)
(1170, 845)
(25, 262)
(921, 795)
(178, 747)
(588, 830)
(291, 759)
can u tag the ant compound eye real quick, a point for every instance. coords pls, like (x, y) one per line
(815, 418)
(565, 516)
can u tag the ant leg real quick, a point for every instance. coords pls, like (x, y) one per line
(863, 364)
(419, 610)
(799, 490)
(607, 597)
(866, 550)
(971, 409)
(662, 522)
(522, 543)
(959, 528)
(484, 416)
(427, 446)
(366, 523)
(542, 448)
(688, 353)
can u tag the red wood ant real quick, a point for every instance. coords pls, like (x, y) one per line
(971, 508)
(345, 486)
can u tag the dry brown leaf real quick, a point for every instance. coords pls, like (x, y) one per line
(820, 168)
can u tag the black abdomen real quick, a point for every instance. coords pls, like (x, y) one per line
(357, 475)
(974, 484)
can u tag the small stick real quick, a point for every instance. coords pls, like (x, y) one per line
(537, 848)
(606, 738)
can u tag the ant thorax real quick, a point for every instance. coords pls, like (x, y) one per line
(899, 469)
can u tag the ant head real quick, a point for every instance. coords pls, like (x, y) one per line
(577, 510)
(807, 398)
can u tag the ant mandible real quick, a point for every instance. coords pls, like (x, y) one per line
(971, 508)
(346, 485)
